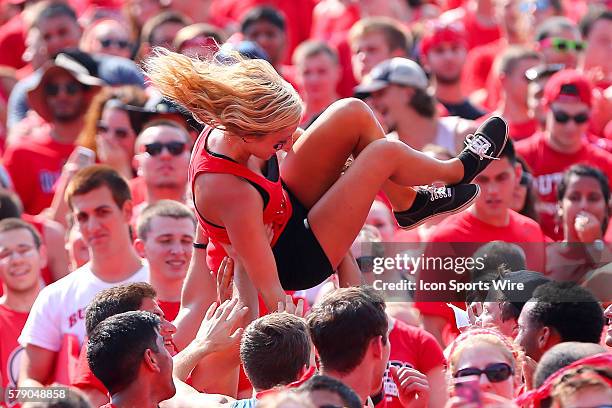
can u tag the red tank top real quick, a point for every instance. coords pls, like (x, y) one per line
(277, 206)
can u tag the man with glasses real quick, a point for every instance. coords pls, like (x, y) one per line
(22, 256)
(162, 153)
(60, 97)
(563, 142)
(559, 41)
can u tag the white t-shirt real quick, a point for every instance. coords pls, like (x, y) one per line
(60, 307)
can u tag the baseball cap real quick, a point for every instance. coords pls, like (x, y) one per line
(438, 33)
(398, 71)
(568, 85)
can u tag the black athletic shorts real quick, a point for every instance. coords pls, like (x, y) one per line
(300, 260)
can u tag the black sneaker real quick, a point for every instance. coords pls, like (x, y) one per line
(483, 147)
(437, 201)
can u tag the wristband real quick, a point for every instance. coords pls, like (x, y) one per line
(199, 245)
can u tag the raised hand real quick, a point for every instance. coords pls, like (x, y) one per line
(289, 307)
(219, 329)
(412, 386)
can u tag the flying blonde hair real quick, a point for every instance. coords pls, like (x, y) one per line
(244, 97)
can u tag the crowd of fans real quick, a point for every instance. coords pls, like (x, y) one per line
(115, 291)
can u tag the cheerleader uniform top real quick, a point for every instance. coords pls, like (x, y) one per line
(277, 205)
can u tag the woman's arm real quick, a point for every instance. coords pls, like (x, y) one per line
(239, 208)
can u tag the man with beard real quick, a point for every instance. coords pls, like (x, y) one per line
(162, 154)
(443, 52)
(61, 97)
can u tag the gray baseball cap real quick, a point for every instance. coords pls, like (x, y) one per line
(399, 71)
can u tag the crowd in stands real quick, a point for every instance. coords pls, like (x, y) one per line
(305, 203)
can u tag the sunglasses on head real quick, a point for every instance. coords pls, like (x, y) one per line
(563, 45)
(120, 133)
(119, 43)
(71, 88)
(564, 117)
(174, 148)
(497, 372)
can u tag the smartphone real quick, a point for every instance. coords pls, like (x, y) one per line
(468, 388)
(85, 157)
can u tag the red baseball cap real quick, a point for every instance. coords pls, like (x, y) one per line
(437, 33)
(568, 85)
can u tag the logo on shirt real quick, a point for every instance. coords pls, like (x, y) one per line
(12, 371)
(547, 183)
(75, 317)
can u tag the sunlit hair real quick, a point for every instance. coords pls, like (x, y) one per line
(467, 340)
(245, 97)
(581, 378)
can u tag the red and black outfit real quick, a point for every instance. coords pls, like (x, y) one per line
(300, 260)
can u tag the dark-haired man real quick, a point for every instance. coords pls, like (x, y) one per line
(559, 312)
(100, 202)
(360, 360)
(60, 97)
(126, 352)
(109, 302)
(443, 51)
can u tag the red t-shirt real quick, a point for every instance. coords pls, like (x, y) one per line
(83, 377)
(477, 34)
(12, 42)
(35, 164)
(170, 309)
(109, 405)
(467, 230)
(478, 65)
(138, 188)
(11, 324)
(413, 347)
(548, 166)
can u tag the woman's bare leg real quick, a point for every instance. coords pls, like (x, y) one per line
(341, 204)
(324, 148)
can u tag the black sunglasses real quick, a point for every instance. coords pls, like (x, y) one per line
(497, 372)
(174, 148)
(71, 88)
(564, 117)
(120, 133)
(119, 43)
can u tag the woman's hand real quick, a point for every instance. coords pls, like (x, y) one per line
(111, 153)
(289, 307)
(488, 400)
(587, 226)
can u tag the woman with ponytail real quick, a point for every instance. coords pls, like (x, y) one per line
(252, 169)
